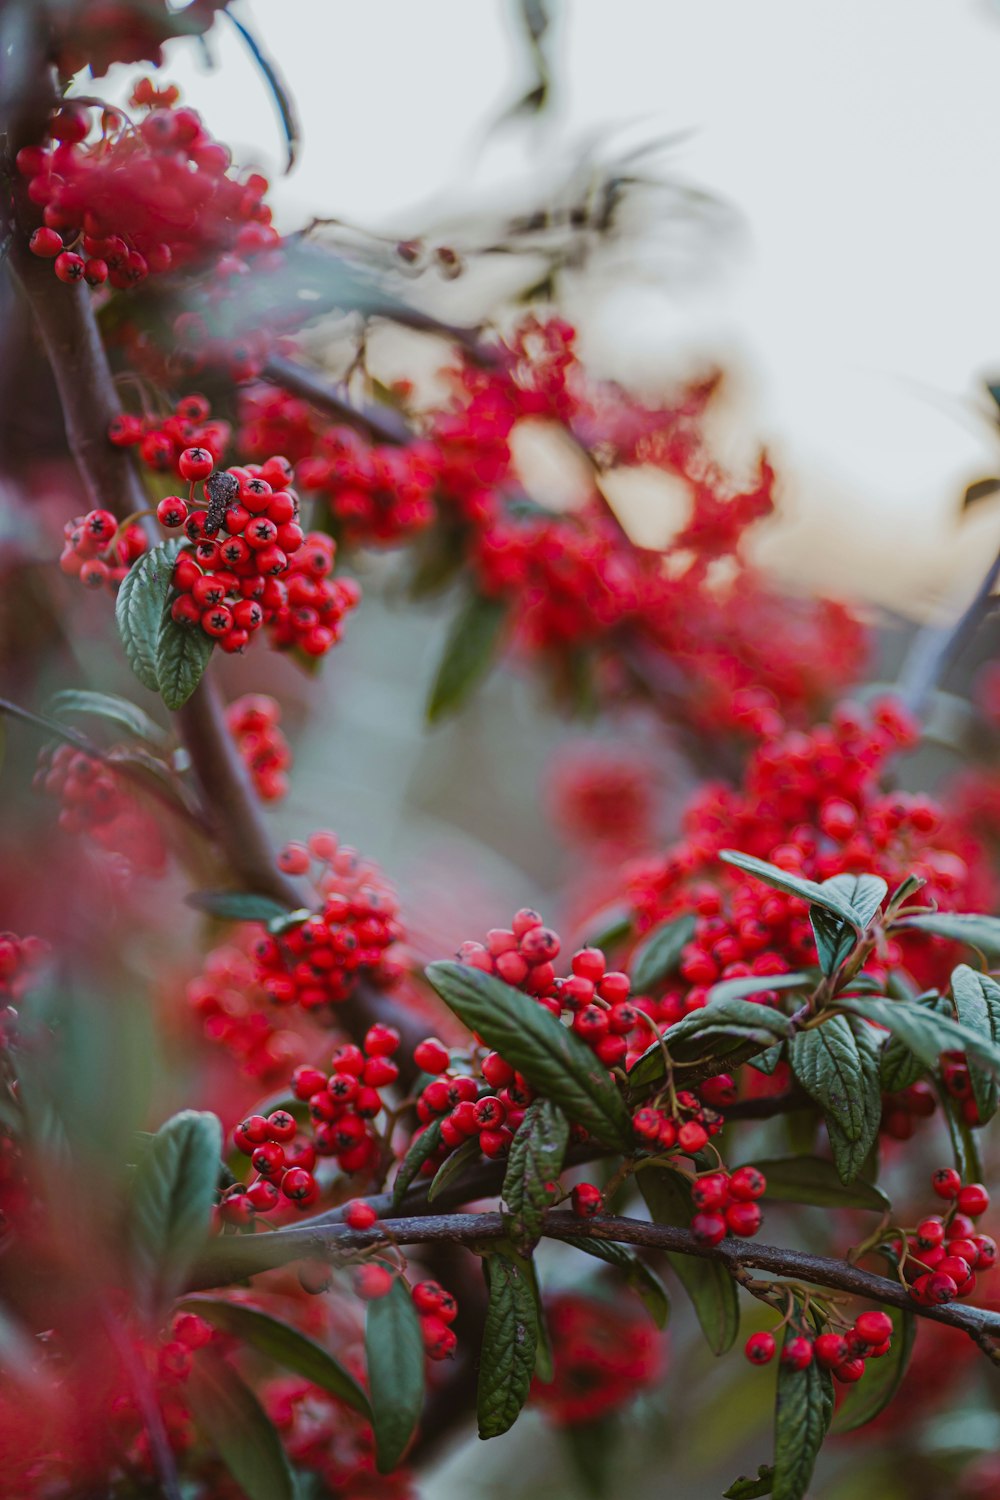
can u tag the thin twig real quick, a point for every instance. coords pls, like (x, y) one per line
(379, 423)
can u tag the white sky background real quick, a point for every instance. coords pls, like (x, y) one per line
(858, 140)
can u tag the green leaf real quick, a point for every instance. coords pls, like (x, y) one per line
(594, 1449)
(659, 954)
(926, 1033)
(977, 930)
(423, 1148)
(237, 906)
(453, 1166)
(140, 607)
(835, 938)
(749, 1489)
(813, 1179)
(283, 1344)
(534, 1161)
(767, 1062)
(977, 1000)
(899, 1067)
(839, 1069)
(964, 1140)
(510, 1340)
(107, 706)
(170, 1205)
(237, 1429)
(794, 885)
(708, 1284)
(802, 1409)
(864, 1401)
(469, 652)
(182, 653)
(644, 1282)
(395, 1352)
(554, 1061)
(696, 1035)
(754, 984)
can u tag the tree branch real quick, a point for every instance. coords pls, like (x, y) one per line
(379, 423)
(936, 648)
(337, 1238)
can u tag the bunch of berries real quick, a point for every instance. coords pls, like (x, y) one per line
(253, 721)
(95, 802)
(901, 1111)
(436, 1308)
(487, 1111)
(162, 440)
(943, 1254)
(248, 562)
(283, 1163)
(139, 200)
(726, 1203)
(97, 551)
(688, 1121)
(604, 1352)
(325, 1437)
(234, 1015)
(375, 494)
(844, 1354)
(20, 958)
(317, 962)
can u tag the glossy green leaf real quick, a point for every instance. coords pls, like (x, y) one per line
(237, 1428)
(659, 954)
(977, 1001)
(899, 1067)
(283, 1344)
(182, 654)
(707, 1282)
(170, 1205)
(112, 709)
(866, 1400)
(510, 1341)
(423, 1148)
(237, 906)
(534, 1163)
(925, 1032)
(835, 938)
(746, 1488)
(979, 931)
(644, 1282)
(839, 1068)
(453, 1166)
(830, 900)
(140, 607)
(802, 1410)
(469, 653)
(964, 1140)
(813, 1179)
(395, 1353)
(553, 1060)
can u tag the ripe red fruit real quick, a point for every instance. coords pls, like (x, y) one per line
(293, 859)
(360, 1215)
(586, 1199)
(263, 1195)
(281, 1126)
(986, 1247)
(873, 1327)
(691, 1137)
(946, 1182)
(172, 511)
(250, 1133)
(430, 1055)
(930, 1232)
(849, 1371)
(710, 1191)
(372, 1282)
(268, 1159)
(298, 1184)
(747, 1183)
(743, 1219)
(428, 1296)
(708, 1228)
(973, 1200)
(759, 1348)
(831, 1350)
(307, 1081)
(195, 463)
(797, 1353)
(46, 243)
(70, 267)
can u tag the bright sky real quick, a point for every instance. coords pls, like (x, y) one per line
(856, 139)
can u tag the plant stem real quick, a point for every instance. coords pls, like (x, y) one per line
(379, 423)
(936, 648)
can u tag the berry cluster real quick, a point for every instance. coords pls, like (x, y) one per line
(726, 1204)
(234, 1014)
(139, 200)
(375, 494)
(96, 802)
(844, 1354)
(942, 1255)
(603, 1351)
(99, 552)
(283, 1162)
(253, 721)
(161, 440)
(325, 1437)
(248, 562)
(436, 1308)
(900, 1112)
(465, 1110)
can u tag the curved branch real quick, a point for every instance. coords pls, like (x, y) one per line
(379, 423)
(338, 1238)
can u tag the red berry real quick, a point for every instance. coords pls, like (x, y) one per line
(251, 1132)
(946, 1182)
(195, 463)
(930, 1232)
(986, 1248)
(710, 1191)
(747, 1183)
(797, 1352)
(831, 1350)
(46, 243)
(360, 1215)
(297, 1183)
(759, 1348)
(849, 1371)
(70, 267)
(281, 1126)
(973, 1200)
(873, 1327)
(268, 1159)
(587, 1200)
(431, 1056)
(743, 1219)
(264, 1196)
(381, 1041)
(172, 511)
(307, 1081)
(372, 1282)
(708, 1228)
(691, 1137)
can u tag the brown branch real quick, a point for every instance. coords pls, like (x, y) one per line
(379, 423)
(338, 1238)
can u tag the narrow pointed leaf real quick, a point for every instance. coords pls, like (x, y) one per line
(644, 1282)
(835, 938)
(282, 1343)
(659, 954)
(554, 1061)
(469, 653)
(237, 1428)
(533, 1163)
(182, 653)
(170, 1205)
(510, 1341)
(839, 1069)
(139, 609)
(112, 709)
(708, 1284)
(974, 928)
(423, 1148)
(927, 1033)
(977, 1000)
(453, 1166)
(813, 1179)
(237, 906)
(863, 1402)
(900, 1067)
(793, 885)
(802, 1410)
(395, 1353)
